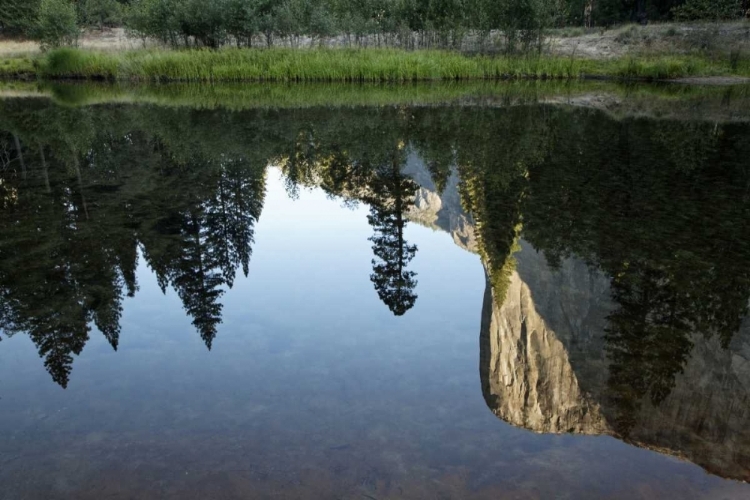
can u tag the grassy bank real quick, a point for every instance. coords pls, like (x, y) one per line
(19, 68)
(353, 65)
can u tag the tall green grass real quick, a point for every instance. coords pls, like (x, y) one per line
(358, 65)
(17, 68)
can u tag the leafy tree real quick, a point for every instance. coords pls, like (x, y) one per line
(203, 22)
(100, 13)
(18, 17)
(243, 21)
(320, 21)
(57, 24)
(156, 19)
(523, 22)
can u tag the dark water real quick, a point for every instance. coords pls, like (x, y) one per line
(536, 301)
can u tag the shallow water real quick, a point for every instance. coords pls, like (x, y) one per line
(535, 301)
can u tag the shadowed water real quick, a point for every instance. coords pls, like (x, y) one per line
(325, 302)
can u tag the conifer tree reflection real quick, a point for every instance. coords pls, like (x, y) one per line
(391, 195)
(65, 267)
(208, 240)
(374, 176)
(494, 180)
(58, 277)
(648, 343)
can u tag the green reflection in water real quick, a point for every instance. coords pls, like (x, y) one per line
(661, 207)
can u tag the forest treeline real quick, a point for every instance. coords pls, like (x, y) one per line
(404, 23)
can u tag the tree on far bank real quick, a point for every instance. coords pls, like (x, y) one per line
(56, 25)
(17, 17)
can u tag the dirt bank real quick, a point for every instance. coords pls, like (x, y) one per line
(595, 43)
(672, 38)
(108, 39)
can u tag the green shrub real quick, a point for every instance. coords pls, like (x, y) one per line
(242, 21)
(154, 19)
(629, 35)
(67, 62)
(56, 24)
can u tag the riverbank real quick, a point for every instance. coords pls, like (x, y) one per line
(352, 65)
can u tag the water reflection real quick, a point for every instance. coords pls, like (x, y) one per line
(632, 324)
(71, 238)
(616, 252)
(123, 179)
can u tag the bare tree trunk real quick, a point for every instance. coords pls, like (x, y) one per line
(588, 13)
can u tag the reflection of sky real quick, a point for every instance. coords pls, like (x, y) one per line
(312, 385)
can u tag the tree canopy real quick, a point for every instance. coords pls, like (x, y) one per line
(405, 23)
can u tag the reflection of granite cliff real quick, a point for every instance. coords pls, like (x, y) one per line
(543, 367)
(440, 210)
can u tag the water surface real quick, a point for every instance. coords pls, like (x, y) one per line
(522, 301)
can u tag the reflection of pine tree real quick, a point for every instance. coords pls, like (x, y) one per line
(205, 234)
(197, 281)
(440, 172)
(127, 261)
(63, 267)
(50, 298)
(57, 334)
(231, 215)
(60, 271)
(392, 194)
(106, 308)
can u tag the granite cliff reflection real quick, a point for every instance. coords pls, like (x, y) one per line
(625, 310)
(618, 272)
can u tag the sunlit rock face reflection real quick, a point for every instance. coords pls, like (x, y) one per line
(527, 376)
(440, 209)
(544, 367)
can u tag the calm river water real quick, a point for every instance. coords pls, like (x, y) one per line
(537, 300)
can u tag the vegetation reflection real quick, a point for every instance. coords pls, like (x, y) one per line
(662, 211)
